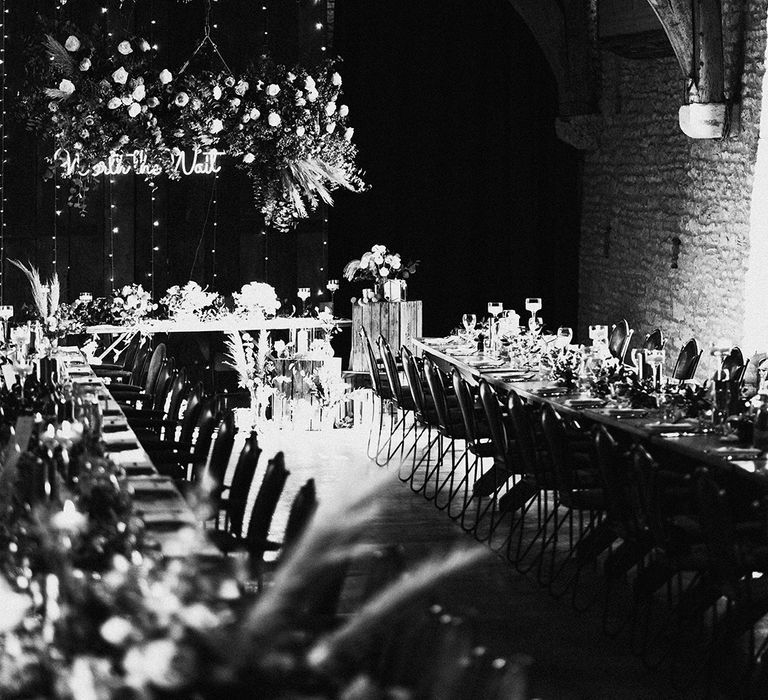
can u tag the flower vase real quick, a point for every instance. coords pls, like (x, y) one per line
(327, 417)
(393, 290)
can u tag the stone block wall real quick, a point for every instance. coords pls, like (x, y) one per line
(648, 186)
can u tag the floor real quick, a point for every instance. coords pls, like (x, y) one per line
(573, 659)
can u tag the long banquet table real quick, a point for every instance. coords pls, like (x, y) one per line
(156, 499)
(702, 448)
(287, 323)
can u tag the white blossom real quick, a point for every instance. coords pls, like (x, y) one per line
(72, 43)
(274, 119)
(165, 76)
(67, 86)
(120, 76)
(85, 64)
(125, 48)
(336, 79)
(134, 110)
(273, 90)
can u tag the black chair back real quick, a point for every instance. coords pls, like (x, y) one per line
(525, 436)
(191, 414)
(466, 398)
(437, 392)
(737, 368)
(218, 459)
(156, 362)
(265, 504)
(556, 438)
(206, 424)
(687, 361)
(492, 408)
(242, 478)
(179, 391)
(302, 510)
(416, 387)
(654, 340)
(138, 369)
(373, 365)
(162, 387)
(619, 340)
(395, 388)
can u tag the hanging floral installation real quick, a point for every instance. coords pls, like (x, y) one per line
(109, 107)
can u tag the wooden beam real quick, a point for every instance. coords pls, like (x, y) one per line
(707, 87)
(676, 16)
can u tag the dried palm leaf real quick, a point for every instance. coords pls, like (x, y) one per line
(350, 270)
(56, 94)
(39, 291)
(54, 294)
(262, 352)
(60, 57)
(353, 639)
(235, 357)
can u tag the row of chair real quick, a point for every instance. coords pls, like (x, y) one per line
(587, 513)
(189, 438)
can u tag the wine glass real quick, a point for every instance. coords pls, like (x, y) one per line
(533, 305)
(469, 321)
(85, 297)
(638, 358)
(6, 312)
(598, 334)
(564, 337)
(495, 307)
(655, 358)
(303, 294)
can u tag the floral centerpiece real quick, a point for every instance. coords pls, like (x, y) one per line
(257, 298)
(383, 268)
(131, 304)
(191, 301)
(565, 365)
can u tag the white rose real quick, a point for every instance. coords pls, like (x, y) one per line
(125, 48)
(254, 113)
(114, 103)
(153, 102)
(312, 95)
(72, 43)
(123, 140)
(330, 108)
(216, 126)
(181, 99)
(378, 258)
(241, 88)
(336, 79)
(139, 93)
(301, 102)
(116, 630)
(343, 111)
(330, 128)
(384, 271)
(349, 133)
(85, 64)
(274, 119)
(300, 131)
(134, 110)
(120, 76)
(273, 90)
(249, 158)
(165, 76)
(235, 103)
(127, 100)
(67, 86)
(309, 83)
(396, 264)
(144, 45)
(216, 92)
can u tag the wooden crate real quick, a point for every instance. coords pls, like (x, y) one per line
(398, 322)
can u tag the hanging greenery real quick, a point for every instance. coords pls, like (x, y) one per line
(108, 107)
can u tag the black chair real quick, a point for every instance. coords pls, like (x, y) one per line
(654, 340)
(215, 468)
(687, 361)
(233, 500)
(123, 363)
(380, 389)
(619, 339)
(400, 399)
(174, 433)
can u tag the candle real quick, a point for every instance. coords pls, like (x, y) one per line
(69, 519)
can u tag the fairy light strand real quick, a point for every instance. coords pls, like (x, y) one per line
(56, 216)
(112, 232)
(214, 236)
(3, 138)
(264, 50)
(154, 225)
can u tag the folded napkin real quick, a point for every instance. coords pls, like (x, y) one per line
(129, 457)
(551, 391)
(137, 468)
(584, 403)
(658, 427)
(733, 452)
(625, 412)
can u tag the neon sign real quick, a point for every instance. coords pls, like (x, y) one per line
(197, 163)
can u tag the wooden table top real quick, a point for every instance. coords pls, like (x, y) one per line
(703, 448)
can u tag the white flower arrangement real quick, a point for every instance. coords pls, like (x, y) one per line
(188, 300)
(256, 297)
(132, 304)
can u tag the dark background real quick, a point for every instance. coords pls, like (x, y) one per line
(453, 107)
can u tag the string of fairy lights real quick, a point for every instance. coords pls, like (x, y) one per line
(3, 138)
(323, 20)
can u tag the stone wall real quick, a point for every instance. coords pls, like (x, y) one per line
(648, 186)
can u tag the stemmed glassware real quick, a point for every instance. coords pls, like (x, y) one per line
(655, 358)
(6, 312)
(469, 321)
(332, 286)
(564, 337)
(303, 294)
(533, 305)
(721, 389)
(494, 309)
